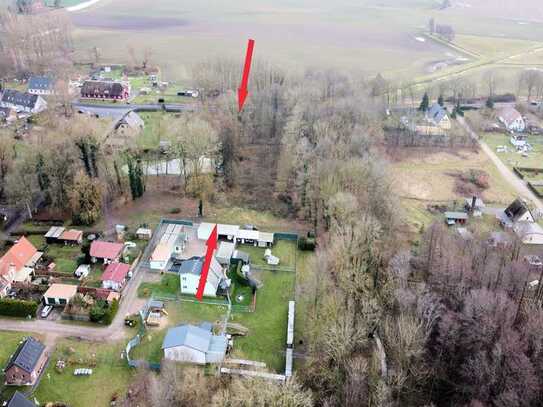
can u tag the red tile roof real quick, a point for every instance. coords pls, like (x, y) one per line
(116, 272)
(105, 250)
(19, 254)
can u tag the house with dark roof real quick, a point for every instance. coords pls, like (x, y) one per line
(194, 344)
(109, 90)
(18, 400)
(22, 102)
(41, 85)
(518, 211)
(190, 272)
(26, 364)
(437, 116)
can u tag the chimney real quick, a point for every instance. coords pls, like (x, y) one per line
(473, 203)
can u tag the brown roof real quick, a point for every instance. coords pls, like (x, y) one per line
(19, 255)
(72, 234)
(107, 88)
(105, 250)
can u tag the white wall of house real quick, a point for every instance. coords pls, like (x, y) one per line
(185, 354)
(517, 125)
(189, 285)
(112, 285)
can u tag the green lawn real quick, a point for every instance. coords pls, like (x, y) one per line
(110, 375)
(154, 130)
(65, 257)
(167, 287)
(284, 249)
(512, 158)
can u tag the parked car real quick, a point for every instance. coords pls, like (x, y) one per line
(46, 311)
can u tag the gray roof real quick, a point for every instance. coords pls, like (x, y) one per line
(192, 267)
(187, 335)
(456, 215)
(132, 120)
(19, 98)
(208, 326)
(218, 344)
(27, 355)
(436, 113)
(19, 400)
(40, 82)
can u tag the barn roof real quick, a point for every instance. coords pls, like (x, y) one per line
(188, 335)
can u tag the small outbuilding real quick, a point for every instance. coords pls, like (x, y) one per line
(144, 234)
(107, 252)
(455, 218)
(194, 344)
(19, 400)
(53, 234)
(59, 294)
(72, 237)
(224, 253)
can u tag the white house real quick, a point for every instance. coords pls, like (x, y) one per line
(41, 85)
(516, 212)
(22, 102)
(511, 119)
(194, 344)
(190, 272)
(438, 116)
(529, 232)
(115, 276)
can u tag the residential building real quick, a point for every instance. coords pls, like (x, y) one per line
(131, 123)
(511, 119)
(59, 294)
(194, 344)
(437, 115)
(26, 364)
(107, 252)
(18, 400)
(144, 234)
(5, 286)
(190, 272)
(41, 85)
(516, 212)
(72, 237)
(19, 261)
(22, 102)
(110, 90)
(114, 278)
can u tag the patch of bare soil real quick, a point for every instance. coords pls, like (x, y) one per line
(118, 22)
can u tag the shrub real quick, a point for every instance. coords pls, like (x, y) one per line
(18, 308)
(110, 313)
(98, 311)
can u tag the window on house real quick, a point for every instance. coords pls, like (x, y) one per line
(185, 287)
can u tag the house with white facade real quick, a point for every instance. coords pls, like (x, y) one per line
(511, 119)
(41, 85)
(190, 272)
(22, 102)
(171, 244)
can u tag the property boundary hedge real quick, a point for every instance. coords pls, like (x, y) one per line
(18, 308)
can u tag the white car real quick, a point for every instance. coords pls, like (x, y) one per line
(46, 311)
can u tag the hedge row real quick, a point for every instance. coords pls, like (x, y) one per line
(18, 308)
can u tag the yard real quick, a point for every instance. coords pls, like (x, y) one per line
(512, 158)
(425, 177)
(65, 257)
(110, 374)
(284, 249)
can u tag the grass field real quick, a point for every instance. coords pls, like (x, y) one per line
(110, 375)
(425, 177)
(65, 257)
(512, 158)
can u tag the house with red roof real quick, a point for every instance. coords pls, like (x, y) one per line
(107, 252)
(18, 263)
(115, 276)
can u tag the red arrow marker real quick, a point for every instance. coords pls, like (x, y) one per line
(211, 246)
(242, 90)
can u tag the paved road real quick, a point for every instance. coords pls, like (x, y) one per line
(518, 184)
(56, 329)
